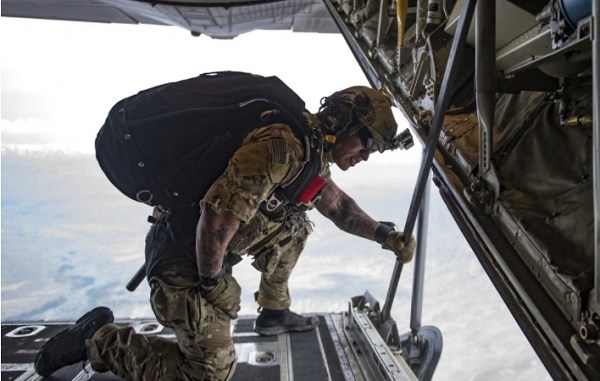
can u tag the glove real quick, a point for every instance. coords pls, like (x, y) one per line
(224, 295)
(392, 239)
(395, 242)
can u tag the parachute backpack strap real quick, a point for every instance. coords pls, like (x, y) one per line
(301, 193)
(304, 189)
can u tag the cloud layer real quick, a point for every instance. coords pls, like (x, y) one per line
(70, 241)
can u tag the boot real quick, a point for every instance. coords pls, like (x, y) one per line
(274, 322)
(68, 347)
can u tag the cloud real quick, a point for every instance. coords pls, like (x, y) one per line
(59, 210)
(42, 135)
(71, 241)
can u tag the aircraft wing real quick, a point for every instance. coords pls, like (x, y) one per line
(215, 18)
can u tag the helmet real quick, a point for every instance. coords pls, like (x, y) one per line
(348, 111)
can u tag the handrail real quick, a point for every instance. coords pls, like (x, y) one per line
(416, 306)
(596, 138)
(452, 67)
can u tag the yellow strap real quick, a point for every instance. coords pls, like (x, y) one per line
(401, 9)
(330, 139)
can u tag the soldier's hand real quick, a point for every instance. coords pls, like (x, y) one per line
(394, 241)
(225, 295)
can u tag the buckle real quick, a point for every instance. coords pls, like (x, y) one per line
(273, 206)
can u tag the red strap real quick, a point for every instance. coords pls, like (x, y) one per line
(311, 190)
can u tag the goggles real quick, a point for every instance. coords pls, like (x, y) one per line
(366, 139)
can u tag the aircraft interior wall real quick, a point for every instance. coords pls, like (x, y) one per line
(544, 171)
(514, 158)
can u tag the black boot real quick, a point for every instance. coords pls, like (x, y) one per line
(68, 347)
(274, 322)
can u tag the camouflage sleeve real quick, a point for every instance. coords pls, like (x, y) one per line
(267, 158)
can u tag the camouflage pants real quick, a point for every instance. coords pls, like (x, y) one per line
(204, 349)
(275, 251)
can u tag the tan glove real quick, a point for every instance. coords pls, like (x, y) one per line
(224, 295)
(395, 242)
(392, 239)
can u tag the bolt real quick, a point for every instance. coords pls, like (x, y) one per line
(588, 332)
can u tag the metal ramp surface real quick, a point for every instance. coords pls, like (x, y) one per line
(295, 356)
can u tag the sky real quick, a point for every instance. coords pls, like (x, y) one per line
(70, 241)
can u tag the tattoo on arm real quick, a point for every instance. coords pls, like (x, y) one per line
(347, 214)
(213, 233)
(340, 208)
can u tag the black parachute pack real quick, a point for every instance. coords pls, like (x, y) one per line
(166, 145)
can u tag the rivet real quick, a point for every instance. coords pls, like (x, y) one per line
(141, 164)
(127, 136)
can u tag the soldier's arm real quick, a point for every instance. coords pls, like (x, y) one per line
(345, 213)
(213, 233)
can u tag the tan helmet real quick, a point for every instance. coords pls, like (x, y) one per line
(347, 111)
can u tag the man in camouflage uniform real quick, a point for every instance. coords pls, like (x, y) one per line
(188, 261)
